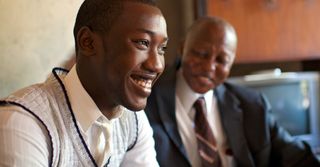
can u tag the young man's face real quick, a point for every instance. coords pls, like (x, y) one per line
(208, 54)
(131, 55)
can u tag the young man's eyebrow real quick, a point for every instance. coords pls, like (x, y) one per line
(152, 33)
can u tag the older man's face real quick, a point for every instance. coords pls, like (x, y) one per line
(208, 54)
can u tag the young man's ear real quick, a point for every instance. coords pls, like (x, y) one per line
(85, 41)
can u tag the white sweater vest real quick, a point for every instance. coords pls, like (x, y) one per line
(49, 103)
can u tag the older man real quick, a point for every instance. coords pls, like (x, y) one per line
(199, 120)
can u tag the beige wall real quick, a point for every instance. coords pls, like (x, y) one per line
(36, 35)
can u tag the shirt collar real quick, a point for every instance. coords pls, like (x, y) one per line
(84, 108)
(187, 96)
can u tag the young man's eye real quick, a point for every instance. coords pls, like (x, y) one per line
(162, 50)
(142, 44)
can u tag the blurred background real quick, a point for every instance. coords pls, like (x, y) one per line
(36, 35)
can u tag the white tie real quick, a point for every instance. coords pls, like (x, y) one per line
(101, 142)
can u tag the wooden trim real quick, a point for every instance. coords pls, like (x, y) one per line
(200, 8)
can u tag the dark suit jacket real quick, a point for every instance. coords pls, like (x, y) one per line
(254, 138)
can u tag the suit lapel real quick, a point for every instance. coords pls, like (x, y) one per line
(166, 103)
(232, 122)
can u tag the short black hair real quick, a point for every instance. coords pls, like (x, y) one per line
(99, 15)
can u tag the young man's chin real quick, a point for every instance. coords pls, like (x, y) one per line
(138, 105)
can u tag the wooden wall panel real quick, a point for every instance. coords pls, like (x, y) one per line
(272, 30)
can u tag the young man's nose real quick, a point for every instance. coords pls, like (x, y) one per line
(154, 62)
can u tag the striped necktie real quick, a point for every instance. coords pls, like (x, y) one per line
(207, 147)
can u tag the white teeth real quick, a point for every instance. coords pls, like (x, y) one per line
(144, 83)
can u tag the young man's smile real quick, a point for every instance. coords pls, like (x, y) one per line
(143, 82)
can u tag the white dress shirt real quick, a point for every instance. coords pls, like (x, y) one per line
(22, 134)
(185, 113)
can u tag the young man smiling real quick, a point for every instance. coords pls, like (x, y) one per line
(86, 117)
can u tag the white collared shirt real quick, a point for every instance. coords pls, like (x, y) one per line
(185, 113)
